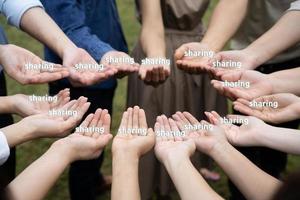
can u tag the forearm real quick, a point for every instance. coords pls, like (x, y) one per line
(182, 172)
(153, 43)
(17, 133)
(6, 104)
(152, 36)
(255, 184)
(225, 21)
(37, 179)
(125, 172)
(38, 24)
(286, 81)
(264, 48)
(282, 139)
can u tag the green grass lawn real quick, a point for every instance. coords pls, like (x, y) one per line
(30, 151)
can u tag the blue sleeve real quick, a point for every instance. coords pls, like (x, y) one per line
(70, 17)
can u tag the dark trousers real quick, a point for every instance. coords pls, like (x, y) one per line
(8, 169)
(271, 161)
(85, 176)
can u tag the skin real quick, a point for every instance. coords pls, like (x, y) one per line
(46, 125)
(22, 105)
(37, 23)
(127, 148)
(14, 66)
(152, 38)
(260, 84)
(264, 48)
(37, 179)
(175, 152)
(288, 108)
(257, 133)
(255, 184)
(221, 28)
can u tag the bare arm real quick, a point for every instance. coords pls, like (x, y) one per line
(225, 21)
(264, 48)
(38, 24)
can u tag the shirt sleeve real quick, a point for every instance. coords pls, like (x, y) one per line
(4, 149)
(70, 17)
(14, 9)
(295, 6)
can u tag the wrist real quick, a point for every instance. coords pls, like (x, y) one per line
(62, 152)
(256, 57)
(173, 163)
(7, 104)
(125, 154)
(212, 45)
(219, 150)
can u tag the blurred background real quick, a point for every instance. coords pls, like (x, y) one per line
(30, 151)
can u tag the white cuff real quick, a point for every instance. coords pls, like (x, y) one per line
(4, 149)
(295, 6)
(14, 9)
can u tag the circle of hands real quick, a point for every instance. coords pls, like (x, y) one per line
(135, 135)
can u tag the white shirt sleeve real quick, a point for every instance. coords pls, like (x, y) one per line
(14, 9)
(295, 6)
(4, 149)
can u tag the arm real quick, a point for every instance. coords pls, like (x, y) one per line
(6, 104)
(255, 184)
(46, 124)
(264, 48)
(282, 139)
(127, 148)
(125, 165)
(36, 180)
(286, 81)
(174, 152)
(152, 40)
(182, 171)
(223, 23)
(152, 35)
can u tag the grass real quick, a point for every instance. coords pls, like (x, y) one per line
(30, 151)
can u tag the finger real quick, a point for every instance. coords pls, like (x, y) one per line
(94, 122)
(123, 125)
(135, 119)
(130, 117)
(142, 119)
(85, 123)
(162, 131)
(191, 118)
(179, 53)
(167, 127)
(157, 130)
(177, 133)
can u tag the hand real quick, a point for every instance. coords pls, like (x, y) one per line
(23, 106)
(73, 57)
(287, 110)
(154, 74)
(248, 134)
(88, 144)
(194, 64)
(246, 59)
(206, 139)
(124, 64)
(16, 62)
(57, 124)
(260, 84)
(168, 144)
(133, 136)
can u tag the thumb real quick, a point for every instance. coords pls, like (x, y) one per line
(179, 53)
